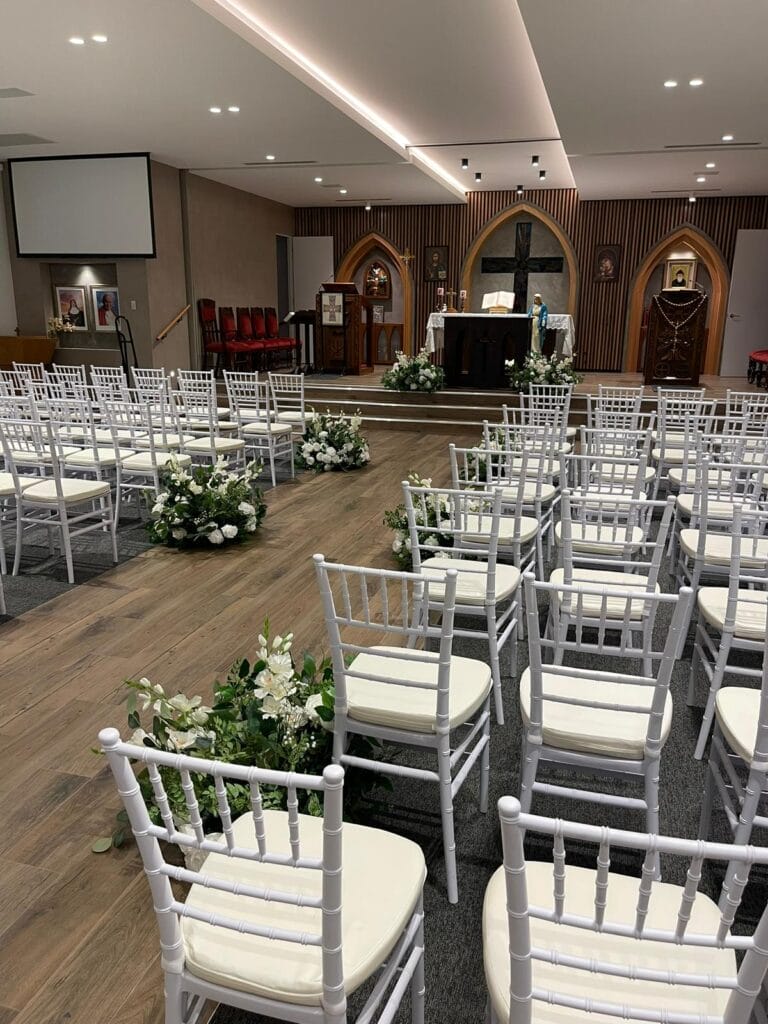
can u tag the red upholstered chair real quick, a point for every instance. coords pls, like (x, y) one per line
(244, 325)
(209, 332)
(276, 344)
(233, 346)
(758, 366)
(257, 322)
(273, 328)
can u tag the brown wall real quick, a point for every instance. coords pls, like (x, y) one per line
(166, 283)
(635, 224)
(232, 243)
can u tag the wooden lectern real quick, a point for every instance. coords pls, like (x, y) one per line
(676, 337)
(342, 331)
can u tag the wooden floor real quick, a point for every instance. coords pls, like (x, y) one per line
(78, 941)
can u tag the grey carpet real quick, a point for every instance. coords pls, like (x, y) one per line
(453, 934)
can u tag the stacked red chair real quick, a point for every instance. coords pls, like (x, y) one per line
(275, 343)
(757, 369)
(209, 332)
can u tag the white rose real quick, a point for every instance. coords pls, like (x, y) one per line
(311, 705)
(229, 531)
(195, 488)
(246, 508)
(137, 737)
(216, 537)
(179, 533)
(251, 525)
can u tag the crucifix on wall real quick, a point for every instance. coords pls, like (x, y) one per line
(522, 263)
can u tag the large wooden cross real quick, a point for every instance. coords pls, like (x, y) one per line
(522, 263)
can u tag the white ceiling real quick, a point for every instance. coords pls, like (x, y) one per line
(386, 100)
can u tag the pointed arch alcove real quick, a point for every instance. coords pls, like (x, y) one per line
(685, 237)
(549, 222)
(360, 253)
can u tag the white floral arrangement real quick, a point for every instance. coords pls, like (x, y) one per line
(414, 373)
(436, 514)
(207, 505)
(538, 369)
(333, 441)
(57, 325)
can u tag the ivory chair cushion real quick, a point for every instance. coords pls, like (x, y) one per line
(677, 476)
(405, 707)
(291, 416)
(591, 604)
(480, 529)
(737, 710)
(382, 878)
(142, 463)
(471, 580)
(164, 440)
(602, 731)
(548, 492)
(7, 488)
(570, 433)
(602, 540)
(215, 444)
(620, 472)
(102, 457)
(105, 436)
(622, 900)
(716, 509)
(670, 455)
(266, 428)
(750, 622)
(717, 549)
(42, 458)
(73, 490)
(250, 415)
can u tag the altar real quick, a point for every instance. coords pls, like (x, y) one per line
(476, 346)
(560, 322)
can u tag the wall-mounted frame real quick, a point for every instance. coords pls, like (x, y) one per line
(436, 263)
(607, 262)
(71, 305)
(680, 273)
(105, 306)
(377, 280)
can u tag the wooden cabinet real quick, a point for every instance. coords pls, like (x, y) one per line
(675, 337)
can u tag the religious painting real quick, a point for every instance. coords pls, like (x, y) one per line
(70, 306)
(607, 262)
(377, 314)
(377, 282)
(105, 304)
(332, 309)
(680, 274)
(436, 263)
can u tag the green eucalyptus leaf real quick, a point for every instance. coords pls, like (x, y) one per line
(102, 844)
(118, 838)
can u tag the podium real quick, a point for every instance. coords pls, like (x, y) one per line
(676, 336)
(343, 330)
(477, 346)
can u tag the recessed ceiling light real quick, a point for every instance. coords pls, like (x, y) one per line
(535, 160)
(234, 110)
(318, 180)
(711, 165)
(519, 190)
(478, 176)
(701, 178)
(342, 191)
(670, 84)
(99, 38)
(691, 199)
(270, 156)
(77, 40)
(696, 82)
(542, 175)
(215, 110)
(367, 206)
(727, 138)
(464, 164)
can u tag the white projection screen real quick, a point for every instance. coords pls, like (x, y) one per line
(83, 206)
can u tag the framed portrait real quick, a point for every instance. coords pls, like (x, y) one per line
(436, 263)
(105, 305)
(332, 309)
(70, 305)
(607, 262)
(377, 282)
(680, 274)
(377, 314)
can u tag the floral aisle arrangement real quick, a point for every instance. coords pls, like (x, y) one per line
(270, 713)
(207, 505)
(57, 325)
(538, 369)
(333, 441)
(414, 373)
(396, 519)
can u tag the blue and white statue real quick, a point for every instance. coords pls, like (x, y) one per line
(538, 313)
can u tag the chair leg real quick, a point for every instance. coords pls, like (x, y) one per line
(446, 815)
(417, 982)
(174, 999)
(530, 762)
(485, 759)
(718, 671)
(19, 539)
(111, 522)
(493, 649)
(66, 544)
(651, 781)
(707, 797)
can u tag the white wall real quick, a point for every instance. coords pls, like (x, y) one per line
(747, 302)
(312, 266)
(7, 301)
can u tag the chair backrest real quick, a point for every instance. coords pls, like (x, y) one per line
(615, 407)
(287, 392)
(668, 923)
(244, 325)
(73, 424)
(271, 322)
(750, 405)
(30, 371)
(257, 322)
(748, 573)
(275, 838)
(547, 403)
(483, 469)
(613, 616)
(542, 442)
(603, 472)
(72, 380)
(374, 608)
(151, 383)
(109, 380)
(24, 441)
(206, 311)
(227, 324)
(197, 394)
(243, 394)
(685, 411)
(8, 382)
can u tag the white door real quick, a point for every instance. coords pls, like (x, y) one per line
(747, 319)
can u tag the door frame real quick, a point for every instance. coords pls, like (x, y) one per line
(688, 237)
(357, 254)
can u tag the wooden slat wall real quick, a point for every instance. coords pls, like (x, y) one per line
(638, 225)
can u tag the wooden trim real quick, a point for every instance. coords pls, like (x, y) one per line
(169, 326)
(534, 211)
(354, 257)
(708, 253)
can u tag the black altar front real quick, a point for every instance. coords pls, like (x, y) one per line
(477, 346)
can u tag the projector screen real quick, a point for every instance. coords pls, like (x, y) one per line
(83, 206)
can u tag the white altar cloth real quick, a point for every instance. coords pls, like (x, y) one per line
(555, 321)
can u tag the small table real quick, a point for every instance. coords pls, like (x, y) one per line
(435, 341)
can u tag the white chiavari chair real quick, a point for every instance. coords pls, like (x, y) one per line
(199, 388)
(548, 403)
(26, 372)
(151, 383)
(732, 618)
(288, 400)
(8, 383)
(487, 589)
(615, 408)
(264, 437)
(108, 381)
(607, 443)
(753, 408)
(199, 414)
(243, 396)
(290, 913)
(564, 943)
(681, 416)
(72, 507)
(401, 692)
(95, 453)
(602, 722)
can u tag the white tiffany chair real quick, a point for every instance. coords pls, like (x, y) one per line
(680, 419)
(26, 372)
(288, 400)
(616, 407)
(86, 450)
(600, 721)
(108, 381)
(607, 443)
(547, 403)
(738, 762)
(486, 589)
(564, 944)
(753, 407)
(198, 388)
(732, 618)
(199, 415)
(71, 380)
(73, 507)
(289, 914)
(151, 382)
(243, 396)
(401, 693)
(264, 437)
(8, 508)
